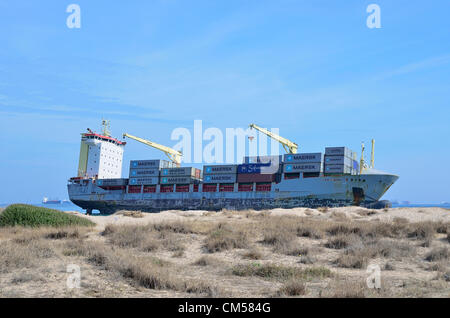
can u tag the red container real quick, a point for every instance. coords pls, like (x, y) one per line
(256, 177)
(149, 189)
(263, 187)
(182, 188)
(209, 187)
(245, 187)
(114, 188)
(134, 189)
(226, 187)
(166, 188)
(195, 187)
(289, 176)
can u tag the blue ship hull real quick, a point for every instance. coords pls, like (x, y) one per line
(324, 191)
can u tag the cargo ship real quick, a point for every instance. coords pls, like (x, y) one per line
(46, 200)
(330, 179)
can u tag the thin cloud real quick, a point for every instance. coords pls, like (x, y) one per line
(417, 66)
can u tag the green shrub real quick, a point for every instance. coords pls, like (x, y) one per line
(32, 216)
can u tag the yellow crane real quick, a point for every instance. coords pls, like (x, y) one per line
(174, 155)
(289, 146)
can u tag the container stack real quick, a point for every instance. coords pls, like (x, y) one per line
(339, 160)
(219, 174)
(146, 172)
(264, 159)
(185, 175)
(259, 172)
(306, 163)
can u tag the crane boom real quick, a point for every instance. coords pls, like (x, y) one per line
(289, 146)
(172, 154)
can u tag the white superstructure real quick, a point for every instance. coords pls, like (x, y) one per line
(100, 156)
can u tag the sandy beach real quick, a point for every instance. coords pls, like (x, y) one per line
(275, 253)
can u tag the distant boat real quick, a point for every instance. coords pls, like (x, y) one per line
(50, 201)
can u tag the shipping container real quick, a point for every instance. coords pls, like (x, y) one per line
(263, 187)
(264, 159)
(225, 169)
(111, 182)
(302, 167)
(219, 178)
(178, 180)
(143, 181)
(262, 168)
(289, 176)
(134, 189)
(339, 151)
(338, 160)
(226, 187)
(256, 177)
(164, 188)
(209, 187)
(182, 172)
(182, 188)
(304, 158)
(149, 189)
(340, 169)
(245, 187)
(144, 173)
(157, 164)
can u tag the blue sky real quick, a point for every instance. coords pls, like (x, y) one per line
(311, 68)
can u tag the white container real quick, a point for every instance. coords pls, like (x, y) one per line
(338, 160)
(264, 159)
(341, 169)
(338, 151)
(185, 171)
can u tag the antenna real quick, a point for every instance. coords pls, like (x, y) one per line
(372, 159)
(361, 162)
(106, 128)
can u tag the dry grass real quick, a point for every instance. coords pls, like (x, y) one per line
(223, 237)
(438, 254)
(253, 254)
(345, 289)
(206, 260)
(18, 255)
(282, 255)
(293, 288)
(148, 272)
(279, 272)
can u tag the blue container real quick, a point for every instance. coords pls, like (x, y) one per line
(258, 168)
